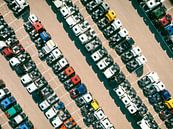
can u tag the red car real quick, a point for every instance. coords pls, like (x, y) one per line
(7, 52)
(164, 21)
(38, 26)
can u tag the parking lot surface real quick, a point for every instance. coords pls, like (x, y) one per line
(157, 61)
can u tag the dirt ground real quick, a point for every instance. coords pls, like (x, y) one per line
(157, 60)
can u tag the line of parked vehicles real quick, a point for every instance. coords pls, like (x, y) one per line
(49, 52)
(21, 62)
(105, 63)
(109, 25)
(158, 96)
(157, 13)
(13, 111)
(117, 36)
(17, 6)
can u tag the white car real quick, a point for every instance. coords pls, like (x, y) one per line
(38, 83)
(120, 91)
(60, 65)
(151, 4)
(143, 124)
(21, 3)
(150, 78)
(104, 63)
(14, 62)
(93, 45)
(2, 45)
(29, 77)
(87, 36)
(106, 124)
(51, 113)
(45, 50)
(159, 86)
(74, 19)
(4, 92)
(111, 71)
(33, 18)
(26, 79)
(81, 28)
(99, 114)
(56, 122)
(84, 99)
(122, 34)
(48, 102)
(113, 28)
(67, 10)
(53, 56)
(99, 54)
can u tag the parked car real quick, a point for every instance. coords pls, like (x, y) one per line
(13, 111)
(14, 122)
(110, 72)
(123, 46)
(68, 10)
(136, 63)
(74, 19)
(149, 78)
(48, 102)
(92, 5)
(157, 12)
(131, 54)
(99, 54)
(17, 6)
(36, 85)
(7, 102)
(66, 74)
(30, 77)
(60, 65)
(53, 56)
(105, 63)
(4, 92)
(93, 45)
(101, 10)
(120, 38)
(78, 91)
(84, 99)
(25, 125)
(54, 110)
(73, 81)
(69, 123)
(81, 28)
(87, 36)
(163, 21)
(112, 28)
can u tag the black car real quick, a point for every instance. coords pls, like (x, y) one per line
(124, 46)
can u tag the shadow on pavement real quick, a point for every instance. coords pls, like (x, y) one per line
(152, 28)
(96, 70)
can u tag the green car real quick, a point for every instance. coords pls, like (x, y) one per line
(13, 111)
(157, 13)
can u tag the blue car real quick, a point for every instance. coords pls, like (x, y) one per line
(165, 95)
(25, 125)
(154, 98)
(45, 36)
(7, 103)
(77, 91)
(169, 29)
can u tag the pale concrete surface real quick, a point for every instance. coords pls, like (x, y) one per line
(157, 61)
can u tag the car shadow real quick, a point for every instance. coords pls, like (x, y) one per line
(94, 67)
(157, 34)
